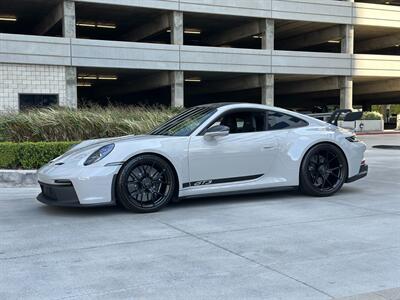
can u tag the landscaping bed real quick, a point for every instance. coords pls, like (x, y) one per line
(28, 155)
(28, 140)
(62, 124)
(370, 122)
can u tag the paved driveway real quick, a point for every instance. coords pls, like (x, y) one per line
(268, 246)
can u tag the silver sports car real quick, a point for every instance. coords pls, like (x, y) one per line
(213, 149)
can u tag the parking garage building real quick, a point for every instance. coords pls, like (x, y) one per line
(298, 54)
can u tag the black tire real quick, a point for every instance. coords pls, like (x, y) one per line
(323, 170)
(146, 184)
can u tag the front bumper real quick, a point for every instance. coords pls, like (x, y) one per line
(58, 195)
(63, 195)
(361, 174)
(71, 185)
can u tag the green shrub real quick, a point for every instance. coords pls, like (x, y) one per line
(62, 124)
(372, 115)
(9, 155)
(30, 155)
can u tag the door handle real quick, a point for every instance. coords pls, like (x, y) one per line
(268, 147)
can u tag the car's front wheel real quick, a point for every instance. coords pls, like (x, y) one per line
(145, 184)
(323, 170)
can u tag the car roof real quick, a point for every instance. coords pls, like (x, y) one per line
(218, 105)
(224, 106)
(230, 105)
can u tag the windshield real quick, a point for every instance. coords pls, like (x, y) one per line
(186, 122)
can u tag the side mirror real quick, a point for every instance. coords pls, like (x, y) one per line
(217, 130)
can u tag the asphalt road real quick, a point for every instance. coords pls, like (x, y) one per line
(267, 246)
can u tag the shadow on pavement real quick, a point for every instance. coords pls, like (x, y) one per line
(242, 199)
(82, 211)
(237, 199)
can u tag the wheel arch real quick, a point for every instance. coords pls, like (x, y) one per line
(310, 147)
(167, 160)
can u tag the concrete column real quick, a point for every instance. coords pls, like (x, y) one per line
(268, 35)
(69, 19)
(347, 42)
(71, 92)
(267, 80)
(69, 31)
(346, 83)
(346, 92)
(267, 89)
(177, 28)
(177, 77)
(177, 89)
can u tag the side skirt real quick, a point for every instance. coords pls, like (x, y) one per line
(243, 192)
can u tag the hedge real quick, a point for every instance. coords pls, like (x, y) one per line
(30, 155)
(372, 115)
(57, 124)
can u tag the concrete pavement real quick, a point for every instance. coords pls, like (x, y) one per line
(267, 246)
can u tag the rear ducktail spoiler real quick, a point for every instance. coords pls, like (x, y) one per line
(333, 118)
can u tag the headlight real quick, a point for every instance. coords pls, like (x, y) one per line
(99, 154)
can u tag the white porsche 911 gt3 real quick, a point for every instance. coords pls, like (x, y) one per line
(213, 149)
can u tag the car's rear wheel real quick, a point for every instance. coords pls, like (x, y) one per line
(146, 184)
(323, 170)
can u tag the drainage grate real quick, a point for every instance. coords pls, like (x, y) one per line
(388, 147)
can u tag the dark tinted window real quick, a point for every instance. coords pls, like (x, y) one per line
(27, 101)
(277, 120)
(244, 121)
(186, 122)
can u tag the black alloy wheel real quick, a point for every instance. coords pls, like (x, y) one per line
(323, 170)
(146, 184)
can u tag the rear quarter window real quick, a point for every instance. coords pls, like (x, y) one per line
(278, 120)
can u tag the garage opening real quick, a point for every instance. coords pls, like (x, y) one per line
(223, 31)
(308, 36)
(32, 17)
(120, 23)
(213, 87)
(377, 40)
(123, 87)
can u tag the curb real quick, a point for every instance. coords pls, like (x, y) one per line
(13, 178)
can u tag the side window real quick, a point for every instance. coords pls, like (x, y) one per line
(277, 120)
(244, 121)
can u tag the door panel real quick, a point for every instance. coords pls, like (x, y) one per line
(231, 157)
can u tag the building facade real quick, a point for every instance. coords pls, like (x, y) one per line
(290, 53)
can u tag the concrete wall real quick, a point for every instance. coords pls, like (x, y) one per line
(93, 53)
(330, 11)
(96, 53)
(157, 4)
(18, 79)
(257, 8)
(376, 15)
(376, 65)
(27, 49)
(225, 59)
(296, 62)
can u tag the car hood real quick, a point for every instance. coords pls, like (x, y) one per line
(93, 145)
